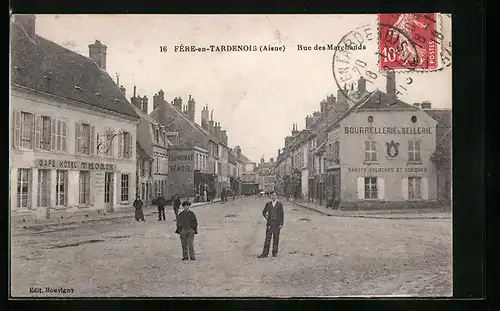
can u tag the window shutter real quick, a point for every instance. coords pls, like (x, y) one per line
(37, 131)
(92, 178)
(30, 189)
(425, 188)
(16, 127)
(77, 137)
(130, 145)
(66, 185)
(64, 136)
(118, 187)
(120, 144)
(381, 188)
(92, 140)
(361, 188)
(53, 133)
(404, 188)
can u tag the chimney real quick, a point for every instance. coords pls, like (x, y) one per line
(308, 122)
(191, 108)
(123, 90)
(279, 152)
(204, 118)
(223, 136)
(27, 22)
(362, 86)
(416, 105)
(426, 105)
(211, 126)
(136, 101)
(97, 52)
(262, 159)
(323, 105)
(145, 104)
(271, 160)
(330, 100)
(238, 151)
(391, 84)
(178, 103)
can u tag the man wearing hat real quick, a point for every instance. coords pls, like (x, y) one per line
(160, 201)
(187, 227)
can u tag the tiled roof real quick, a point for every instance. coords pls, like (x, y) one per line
(231, 158)
(45, 66)
(382, 101)
(143, 115)
(244, 159)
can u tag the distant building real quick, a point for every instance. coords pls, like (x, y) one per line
(266, 175)
(154, 139)
(209, 140)
(73, 144)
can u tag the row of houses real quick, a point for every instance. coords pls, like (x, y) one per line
(79, 144)
(369, 150)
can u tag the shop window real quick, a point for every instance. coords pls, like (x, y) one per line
(414, 151)
(27, 130)
(124, 196)
(371, 188)
(84, 187)
(370, 151)
(61, 187)
(414, 190)
(43, 198)
(23, 188)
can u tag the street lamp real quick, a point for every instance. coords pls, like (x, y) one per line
(103, 145)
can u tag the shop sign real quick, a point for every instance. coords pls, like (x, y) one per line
(74, 165)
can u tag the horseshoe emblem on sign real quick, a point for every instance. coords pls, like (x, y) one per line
(392, 149)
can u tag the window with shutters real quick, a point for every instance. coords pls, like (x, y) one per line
(23, 188)
(414, 191)
(84, 138)
(414, 151)
(46, 132)
(59, 135)
(370, 151)
(124, 195)
(61, 187)
(150, 169)
(85, 187)
(27, 129)
(127, 145)
(43, 197)
(371, 187)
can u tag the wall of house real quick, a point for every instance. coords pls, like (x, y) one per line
(97, 165)
(181, 172)
(392, 172)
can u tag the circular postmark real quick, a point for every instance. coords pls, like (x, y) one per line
(355, 61)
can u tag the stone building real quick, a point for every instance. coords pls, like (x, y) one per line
(209, 140)
(73, 142)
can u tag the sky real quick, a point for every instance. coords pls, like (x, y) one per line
(256, 96)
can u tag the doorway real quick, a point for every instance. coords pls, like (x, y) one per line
(108, 191)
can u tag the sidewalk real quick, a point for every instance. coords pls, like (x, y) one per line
(129, 212)
(379, 214)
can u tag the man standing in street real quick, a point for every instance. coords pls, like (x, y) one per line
(187, 227)
(273, 212)
(160, 201)
(139, 214)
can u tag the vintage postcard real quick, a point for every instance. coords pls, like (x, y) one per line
(231, 155)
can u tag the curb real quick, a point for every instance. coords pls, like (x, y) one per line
(367, 216)
(83, 221)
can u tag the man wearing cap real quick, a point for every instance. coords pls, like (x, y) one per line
(160, 201)
(273, 212)
(187, 227)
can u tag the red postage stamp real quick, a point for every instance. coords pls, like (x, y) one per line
(409, 41)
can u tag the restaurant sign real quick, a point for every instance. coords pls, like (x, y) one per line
(74, 165)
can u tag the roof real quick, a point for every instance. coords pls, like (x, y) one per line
(243, 159)
(265, 165)
(141, 151)
(45, 66)
(379, 100)
(143, 115)
(231, 158)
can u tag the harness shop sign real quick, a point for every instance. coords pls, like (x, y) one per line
(74, 165)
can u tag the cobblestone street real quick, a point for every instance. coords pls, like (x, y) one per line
(319, 255)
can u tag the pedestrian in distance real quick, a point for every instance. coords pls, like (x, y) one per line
(160, 202)
(273, 212)
(187, 227)
(139, 214)
(177, 204)
(205, 198)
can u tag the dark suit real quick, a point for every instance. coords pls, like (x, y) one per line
(275, 218)
(187, 227)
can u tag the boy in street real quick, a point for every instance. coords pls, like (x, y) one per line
(139, 214)
(160, 201)
(187, 227)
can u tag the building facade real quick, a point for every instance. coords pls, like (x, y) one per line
(73, 142)
(377, 153)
